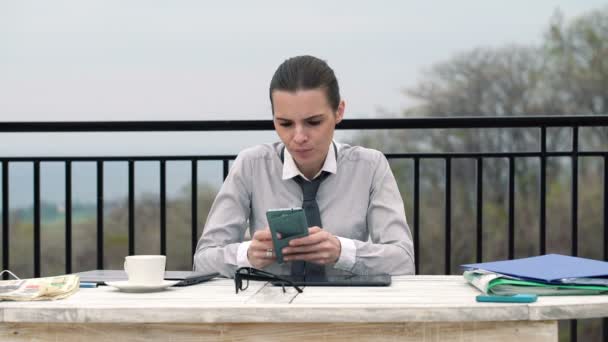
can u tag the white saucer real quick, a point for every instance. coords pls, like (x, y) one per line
(130, 287)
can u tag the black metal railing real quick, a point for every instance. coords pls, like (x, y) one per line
(542, 154)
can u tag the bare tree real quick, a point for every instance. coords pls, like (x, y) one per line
(566, 75)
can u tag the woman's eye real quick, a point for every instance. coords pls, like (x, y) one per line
(314, 123)
(286, 124)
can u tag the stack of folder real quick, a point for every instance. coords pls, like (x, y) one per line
(545, 275)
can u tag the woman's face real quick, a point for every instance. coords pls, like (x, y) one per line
(305, 123)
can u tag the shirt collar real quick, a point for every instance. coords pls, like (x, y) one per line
(290, 169)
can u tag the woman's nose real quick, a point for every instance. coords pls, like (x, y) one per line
(300, 136)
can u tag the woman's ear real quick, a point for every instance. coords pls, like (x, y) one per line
(340, 111)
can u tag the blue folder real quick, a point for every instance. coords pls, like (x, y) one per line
(550, 268)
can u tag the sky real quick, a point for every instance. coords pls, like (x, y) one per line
(76, 60)
(187, 60)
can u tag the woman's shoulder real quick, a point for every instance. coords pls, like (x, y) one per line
(363, 161)
(360, 153)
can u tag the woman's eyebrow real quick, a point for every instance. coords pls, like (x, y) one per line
(312, 117)
(317, 116)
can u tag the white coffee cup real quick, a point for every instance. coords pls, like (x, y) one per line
(145, 269)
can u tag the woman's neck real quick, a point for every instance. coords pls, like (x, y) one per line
(311, 171)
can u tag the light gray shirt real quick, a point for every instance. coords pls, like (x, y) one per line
(348, 250)
(360, 204)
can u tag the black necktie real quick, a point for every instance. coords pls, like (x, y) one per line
(313, 217)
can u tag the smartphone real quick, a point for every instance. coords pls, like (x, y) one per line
(518, 298)
(289, 223)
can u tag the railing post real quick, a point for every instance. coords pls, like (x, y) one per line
(163, 208)
(100, 199)
(543, 190)
(36, 218)
(68, 216)
(605, 320)
(131, 207)
(574, 192)
(417, 214)
(574, 197)
(511, 207)
(194, 206)
(448, 215)
(5, 218)
(479, 209)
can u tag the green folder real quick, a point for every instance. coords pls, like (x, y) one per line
(498, 284)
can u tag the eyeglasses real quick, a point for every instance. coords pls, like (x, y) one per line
(250, 273)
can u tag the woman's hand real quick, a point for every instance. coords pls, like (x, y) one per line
(260, 252)
(319, 247)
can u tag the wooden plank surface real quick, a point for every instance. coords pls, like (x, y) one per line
(408, 299)
(538, 331)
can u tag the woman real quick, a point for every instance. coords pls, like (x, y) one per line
(357, 217)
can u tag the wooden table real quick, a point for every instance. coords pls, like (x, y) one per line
(414, 308)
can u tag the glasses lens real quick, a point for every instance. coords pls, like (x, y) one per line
(239, 275)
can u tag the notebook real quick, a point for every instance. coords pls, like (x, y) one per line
(339, 280)
(550, 268)
(186, 277)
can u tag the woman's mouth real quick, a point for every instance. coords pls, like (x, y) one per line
(303, 152)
